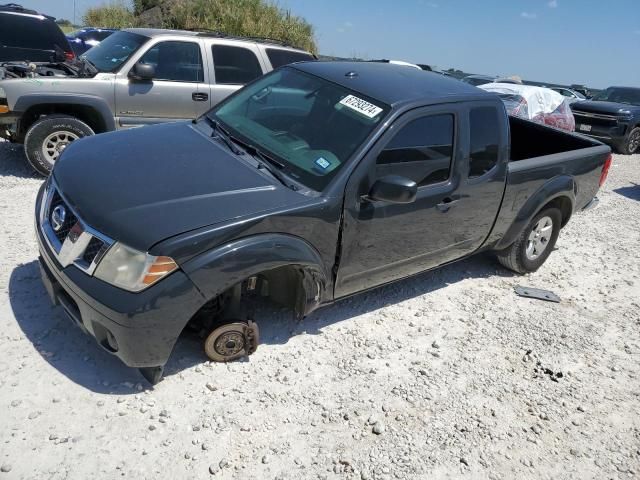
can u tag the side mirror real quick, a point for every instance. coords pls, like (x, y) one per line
(393, 189)
(142, 72)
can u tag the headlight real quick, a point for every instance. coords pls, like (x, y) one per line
(132, 270)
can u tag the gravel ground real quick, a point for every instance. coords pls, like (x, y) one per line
(445, 375)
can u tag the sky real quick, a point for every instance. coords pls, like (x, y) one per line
(593, 42)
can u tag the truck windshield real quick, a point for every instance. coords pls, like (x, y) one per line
(619, 95)
(114, 50)
(309, 125)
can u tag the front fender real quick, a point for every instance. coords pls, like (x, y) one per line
(98, 104)
(219, 269)
(557, 187)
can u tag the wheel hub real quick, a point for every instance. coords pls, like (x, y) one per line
(56, 143)
(539, 238)
(227, 342)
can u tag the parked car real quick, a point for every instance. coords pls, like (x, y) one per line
(398, 62)
(313, 183)
(538, 104)
(571, 95)
(26, 35)
(88, 37)
(134, 77)
(612, 116)
(477, 80)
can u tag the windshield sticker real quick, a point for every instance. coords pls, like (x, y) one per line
(323, 163)
(367, 109)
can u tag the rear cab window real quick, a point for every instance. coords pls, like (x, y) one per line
(484, 145)
(279, 57)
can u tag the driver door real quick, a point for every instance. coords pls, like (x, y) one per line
(176, 92)
(383, 241)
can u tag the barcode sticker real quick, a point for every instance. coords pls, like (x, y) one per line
(367, 109)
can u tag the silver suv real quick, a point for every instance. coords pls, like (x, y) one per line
(133, 78)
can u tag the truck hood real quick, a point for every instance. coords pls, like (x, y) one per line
(143, 186)
(607, 108)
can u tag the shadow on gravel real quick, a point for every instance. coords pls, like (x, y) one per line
(60, 342)
(78, 357)
(13, 163)
(630, 192)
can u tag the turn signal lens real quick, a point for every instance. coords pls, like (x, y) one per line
(4, 109)
(158, 269)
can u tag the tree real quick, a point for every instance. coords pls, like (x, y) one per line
(252, 18)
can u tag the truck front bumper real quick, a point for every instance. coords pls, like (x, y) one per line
(139, 328)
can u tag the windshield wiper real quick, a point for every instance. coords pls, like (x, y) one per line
(267, 162)
(223, 135)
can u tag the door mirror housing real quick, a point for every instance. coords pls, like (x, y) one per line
(393, 189)
(142, 72)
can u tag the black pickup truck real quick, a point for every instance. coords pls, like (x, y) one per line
(613, 117)
(311, 184)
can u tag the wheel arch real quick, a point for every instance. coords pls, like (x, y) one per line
(92, 110)
(559, 192)
(298, 278)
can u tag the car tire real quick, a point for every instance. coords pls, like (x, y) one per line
(631, 144)
(534, 245)
(48, 137)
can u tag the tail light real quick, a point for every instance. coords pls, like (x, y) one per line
(605, 170)
(69, 55)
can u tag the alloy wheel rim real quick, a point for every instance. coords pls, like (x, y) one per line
(56, 143)
(634, 142)
(539, 238)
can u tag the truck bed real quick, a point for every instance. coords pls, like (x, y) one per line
(542, 160)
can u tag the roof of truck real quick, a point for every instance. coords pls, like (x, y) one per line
(393, 84)
(156, 32)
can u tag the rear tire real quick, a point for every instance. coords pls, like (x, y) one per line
(534, 245)
(632, 143)
(47, 138)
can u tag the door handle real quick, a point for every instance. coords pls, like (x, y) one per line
(446, 204)
(199, 96)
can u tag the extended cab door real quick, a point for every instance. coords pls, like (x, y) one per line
(233, 65)
(177, 91)
(460, 176)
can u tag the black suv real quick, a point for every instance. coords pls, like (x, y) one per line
(26, 35)
(612, 116)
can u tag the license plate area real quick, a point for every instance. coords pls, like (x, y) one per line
(584, 128)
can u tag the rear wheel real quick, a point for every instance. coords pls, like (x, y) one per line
(534, 245)
(632, 144)
(49, 137)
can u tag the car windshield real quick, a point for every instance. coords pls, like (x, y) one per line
(619, 95)
(114, 50)
(307, 124)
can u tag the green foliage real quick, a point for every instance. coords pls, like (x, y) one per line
(245, 18)
(140, 6)
(252, 18)
(113, 15)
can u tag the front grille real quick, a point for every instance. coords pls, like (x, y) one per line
(70, 218)
(92, 250)
(595, 118)
(70, 239)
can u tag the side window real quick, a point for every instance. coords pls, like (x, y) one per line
(485, 140)
(175, 61)
(422, 151)
(279, 57)
(235, 65)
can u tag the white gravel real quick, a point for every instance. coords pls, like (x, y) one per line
(440, 376)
